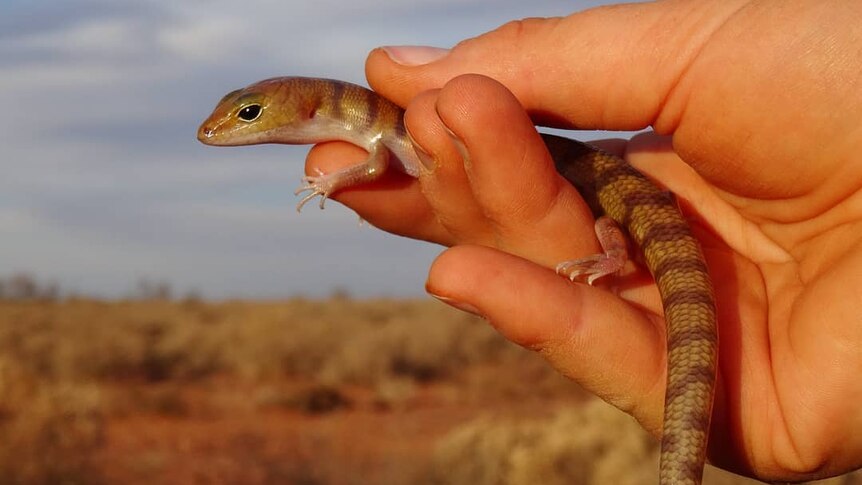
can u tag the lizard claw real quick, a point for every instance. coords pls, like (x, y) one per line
(592, 267)
(315, 185)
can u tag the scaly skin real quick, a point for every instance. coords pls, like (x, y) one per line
(612, 187)
(308, 110)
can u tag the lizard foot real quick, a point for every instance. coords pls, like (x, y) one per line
(316, 185)
(592, 267)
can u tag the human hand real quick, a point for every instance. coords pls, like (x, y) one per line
(762, 102)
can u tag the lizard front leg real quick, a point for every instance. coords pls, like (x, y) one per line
(324, 185)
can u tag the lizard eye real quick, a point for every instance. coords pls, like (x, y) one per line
(249, 113)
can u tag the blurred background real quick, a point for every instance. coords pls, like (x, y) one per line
(104, 183)
(167, 317)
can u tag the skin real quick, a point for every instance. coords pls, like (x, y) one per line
(755, 107)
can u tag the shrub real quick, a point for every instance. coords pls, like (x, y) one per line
(586, 445)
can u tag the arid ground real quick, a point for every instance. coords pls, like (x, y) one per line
(298, 391)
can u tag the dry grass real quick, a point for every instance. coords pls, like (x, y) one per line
(63, 360)
(334, 341)
(49, 430)
(71, 370)
(593, 444)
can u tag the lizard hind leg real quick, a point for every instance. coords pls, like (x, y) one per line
(593, 267)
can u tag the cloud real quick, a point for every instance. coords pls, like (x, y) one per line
(113, 38)
(104, 180)
(203, 38)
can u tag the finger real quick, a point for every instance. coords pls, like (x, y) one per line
(609, 348)
(548, 63)
(534, 212)
(443, 180)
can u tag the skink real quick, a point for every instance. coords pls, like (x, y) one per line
(298, 110)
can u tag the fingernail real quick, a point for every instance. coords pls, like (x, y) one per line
(465, 307)
(424, 157)
(414, 55)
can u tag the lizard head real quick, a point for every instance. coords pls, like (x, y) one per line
(251, 115)
(236, 120)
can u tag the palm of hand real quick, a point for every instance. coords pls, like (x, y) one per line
(790, 327)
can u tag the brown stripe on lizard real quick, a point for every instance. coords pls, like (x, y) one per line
(613, 188)
(299, 110)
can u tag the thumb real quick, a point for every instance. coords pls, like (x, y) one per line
(620, 62)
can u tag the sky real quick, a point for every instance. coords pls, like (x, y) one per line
(103, 183)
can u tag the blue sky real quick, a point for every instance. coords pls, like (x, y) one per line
(103, 182)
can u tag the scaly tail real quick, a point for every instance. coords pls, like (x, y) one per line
(612, 187)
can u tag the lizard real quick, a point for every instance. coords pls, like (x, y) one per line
(302, 110)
